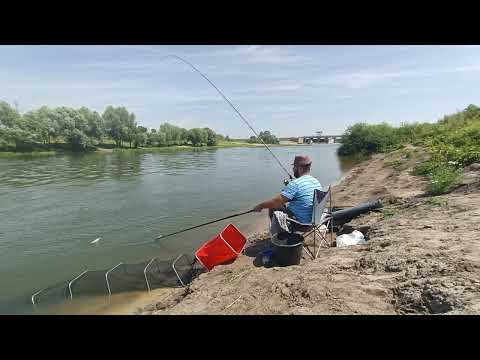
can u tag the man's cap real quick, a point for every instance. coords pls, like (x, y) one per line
(302, 160)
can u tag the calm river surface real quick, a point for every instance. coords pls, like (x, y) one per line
(52, 208)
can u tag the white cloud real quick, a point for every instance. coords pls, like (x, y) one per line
(343, 97)
(368, 77)
(467, 68)
(363, 78)
(270, 55)
(284, 87)
(258, 54)
(267, 89)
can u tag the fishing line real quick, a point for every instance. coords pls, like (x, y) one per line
(190, 228)
(233, 107)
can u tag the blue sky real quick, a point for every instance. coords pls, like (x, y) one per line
(290, 90)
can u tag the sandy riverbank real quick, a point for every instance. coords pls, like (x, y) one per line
(422, 256)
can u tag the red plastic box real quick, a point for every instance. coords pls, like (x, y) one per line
(223, 248)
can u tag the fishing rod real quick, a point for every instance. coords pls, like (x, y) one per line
(191, 228)
(234, 108)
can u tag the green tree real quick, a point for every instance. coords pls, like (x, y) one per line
(197, 137)
(142, 129)
(22, 139)
(266, 136)
(131, 129)
(51, 123)
(8, 115)
(78, 140)
(95, 126)
(11, 130)
(119, 124)
(161, 139)
(212, 139)
(140, 140)
(64, 121)
(152, 138)
(41, 124)
(174, 135)
(141, 137)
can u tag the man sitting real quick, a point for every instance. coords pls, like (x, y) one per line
(298, 193)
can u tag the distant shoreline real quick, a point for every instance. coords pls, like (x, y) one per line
(55, 151)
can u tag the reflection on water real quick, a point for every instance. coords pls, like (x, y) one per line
(82, 168)
(53, 207)
(348, 162)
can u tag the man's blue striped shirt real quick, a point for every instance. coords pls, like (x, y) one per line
(299, 192)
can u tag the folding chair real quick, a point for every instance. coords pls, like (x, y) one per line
(319, 218)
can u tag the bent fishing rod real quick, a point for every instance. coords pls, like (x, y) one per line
(233, 107)
(191, 228)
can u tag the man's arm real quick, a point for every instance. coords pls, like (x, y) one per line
(274, 203)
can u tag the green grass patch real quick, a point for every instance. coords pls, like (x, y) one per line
(388, 213)
(442, 175)
(443, 178)
(433, 201)
(220, 145)
(396, 164)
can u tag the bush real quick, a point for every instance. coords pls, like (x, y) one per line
(452, 143)
(442, 179)
(368, 139)
(424, 169)
(442, 175)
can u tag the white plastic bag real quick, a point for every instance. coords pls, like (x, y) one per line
(354, 238)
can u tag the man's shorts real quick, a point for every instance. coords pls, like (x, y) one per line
(276, 228)
(287, 211)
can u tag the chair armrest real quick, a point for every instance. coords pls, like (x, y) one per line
(298, 223)
(325, 220)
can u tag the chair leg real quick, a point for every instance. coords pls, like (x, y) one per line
(323, 243)
(308, 252)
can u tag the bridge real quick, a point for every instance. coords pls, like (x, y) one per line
(319, 138)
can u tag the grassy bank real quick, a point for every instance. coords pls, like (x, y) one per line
(452, 144)
(108, 148)
(9, 154)
(39, 150)
(195, 148)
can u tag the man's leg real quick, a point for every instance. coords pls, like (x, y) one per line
(282, 209)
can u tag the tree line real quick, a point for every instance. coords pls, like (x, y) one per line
(457, 135)
(83, 128)
(266, 136)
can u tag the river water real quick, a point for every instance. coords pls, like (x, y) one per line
(53, 207)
